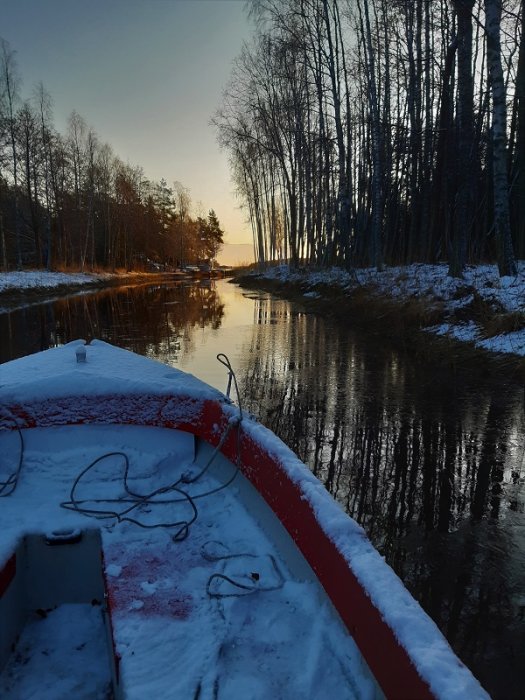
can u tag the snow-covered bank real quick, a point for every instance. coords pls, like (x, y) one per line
(41, 279)
(481, 308)
(28, 287)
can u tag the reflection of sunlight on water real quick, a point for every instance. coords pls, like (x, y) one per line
(230, 338)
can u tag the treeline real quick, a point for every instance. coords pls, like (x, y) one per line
(365, 132)
(68, 201)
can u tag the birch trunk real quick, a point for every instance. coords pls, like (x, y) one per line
(465, 109)
(377, 193)
(506, 260)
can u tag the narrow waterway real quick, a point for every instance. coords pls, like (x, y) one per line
(430, 462)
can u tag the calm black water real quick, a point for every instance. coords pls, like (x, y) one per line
(430, 462)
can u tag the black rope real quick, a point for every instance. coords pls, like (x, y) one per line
(253, 584)
(223, 359)
(8, 487)
(134, 501)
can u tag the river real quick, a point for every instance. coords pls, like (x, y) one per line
(430, 461)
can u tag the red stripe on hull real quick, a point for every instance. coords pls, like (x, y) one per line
(7, 574)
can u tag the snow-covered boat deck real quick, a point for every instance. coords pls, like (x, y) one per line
(182, 624)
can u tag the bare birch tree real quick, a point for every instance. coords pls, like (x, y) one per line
(9, 97)
(506, 261)
(465, 119)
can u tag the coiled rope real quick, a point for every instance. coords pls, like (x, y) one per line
(133, 501)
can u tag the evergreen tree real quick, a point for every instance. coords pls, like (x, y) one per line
(211, 235)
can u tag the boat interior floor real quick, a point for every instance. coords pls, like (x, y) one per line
(202, 591)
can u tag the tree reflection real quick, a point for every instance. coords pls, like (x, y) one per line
(424, 464)
(154, 320)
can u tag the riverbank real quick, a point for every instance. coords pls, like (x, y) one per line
(27, 287)
(481, 316)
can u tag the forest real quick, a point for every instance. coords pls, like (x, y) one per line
(381, 132)
(67, 201)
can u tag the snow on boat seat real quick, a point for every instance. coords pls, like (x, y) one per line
(51, 617)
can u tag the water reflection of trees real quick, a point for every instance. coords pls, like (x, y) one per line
(431, 466)
(154, 320)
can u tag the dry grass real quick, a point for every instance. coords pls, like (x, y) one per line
(500, 323)
(60, 267)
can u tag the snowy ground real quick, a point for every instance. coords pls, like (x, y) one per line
(41, 279)
(29, 287)
(481, 308)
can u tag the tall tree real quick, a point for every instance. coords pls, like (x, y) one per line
(183, 204)
(213, 236)
(376, 256)
(9, 97)
(43, 104)
(520, 140)
(464, 213)
(506, 260)
(30, 161)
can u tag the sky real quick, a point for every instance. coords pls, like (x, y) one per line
(147, 76)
